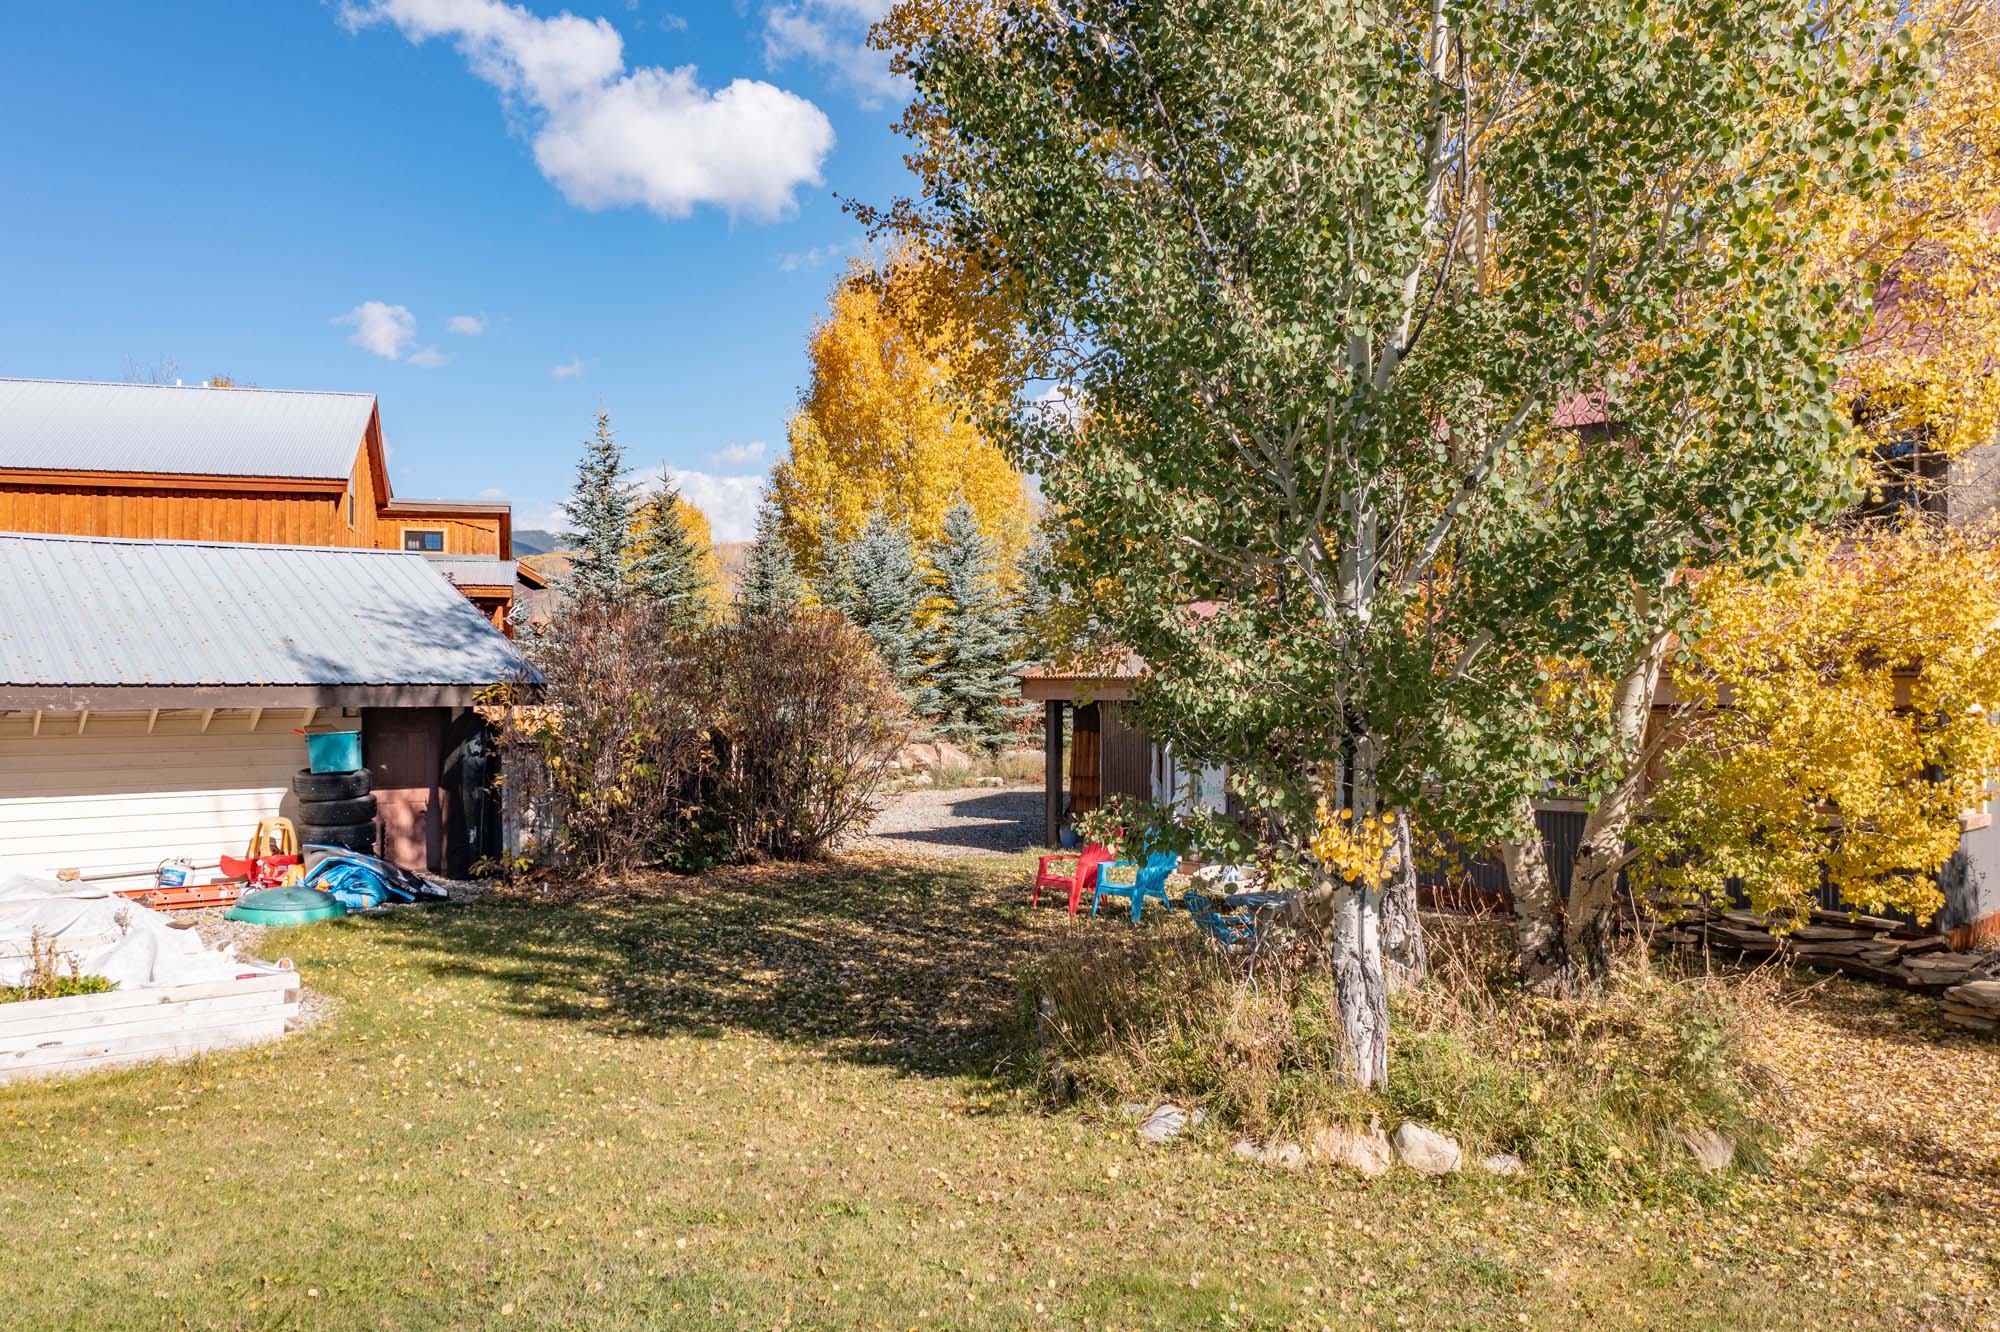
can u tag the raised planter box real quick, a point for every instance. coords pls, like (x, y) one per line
(43, 1037)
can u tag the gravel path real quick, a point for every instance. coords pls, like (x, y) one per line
(973, 821)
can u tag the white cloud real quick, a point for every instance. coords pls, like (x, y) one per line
(493, 493)
(729, 501)
(738, 455)
(809, 259)
(610, 137)
(569, 369)
(834, 33)
(428, 358)
(380, 328)
(470, 325)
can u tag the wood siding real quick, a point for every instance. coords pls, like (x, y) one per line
(115, 796)
(175, 515)
(463, 534)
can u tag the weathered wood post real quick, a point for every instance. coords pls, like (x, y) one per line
(1052, 772)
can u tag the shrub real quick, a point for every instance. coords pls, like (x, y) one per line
(657, 741)
(1593, 1094)
(811, 723)
(614, 745)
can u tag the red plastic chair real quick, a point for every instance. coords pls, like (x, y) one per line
(1081, 874)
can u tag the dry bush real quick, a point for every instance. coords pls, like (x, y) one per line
(614, 745)
(811, 723)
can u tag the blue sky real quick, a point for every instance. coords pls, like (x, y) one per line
(494, 217)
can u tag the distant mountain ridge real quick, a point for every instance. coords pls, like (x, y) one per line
(535, 541)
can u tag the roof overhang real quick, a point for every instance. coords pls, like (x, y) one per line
(1076, 688)
(111, 698)
(290, 485)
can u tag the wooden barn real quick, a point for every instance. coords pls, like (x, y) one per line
(167, 462)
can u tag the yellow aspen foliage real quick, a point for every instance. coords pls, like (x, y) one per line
(1840, 716)
(889, 423)
(1358, 850)
(1926, 370)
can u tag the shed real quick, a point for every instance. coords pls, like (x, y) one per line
(150, 692)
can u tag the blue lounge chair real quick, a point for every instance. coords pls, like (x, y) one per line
(1148, 880)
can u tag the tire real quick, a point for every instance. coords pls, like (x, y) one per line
(353, 836)
(310, 785)
(328, 813)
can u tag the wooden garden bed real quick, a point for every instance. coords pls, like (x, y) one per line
(42, 1037)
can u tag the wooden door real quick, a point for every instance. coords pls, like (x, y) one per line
(1084, 788)
(404, 749)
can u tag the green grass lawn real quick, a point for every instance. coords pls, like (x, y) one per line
(782, 1097)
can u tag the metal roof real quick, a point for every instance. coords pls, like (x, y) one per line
(59, 425)
(474, 570)
(100, 611)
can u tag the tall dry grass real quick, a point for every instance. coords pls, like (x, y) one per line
(1595, 1095)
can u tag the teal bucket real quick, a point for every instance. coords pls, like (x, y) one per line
(334, 751)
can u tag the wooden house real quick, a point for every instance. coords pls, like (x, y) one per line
(167, 462)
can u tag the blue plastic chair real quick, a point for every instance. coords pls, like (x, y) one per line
(1148, 880)
(1228, 933)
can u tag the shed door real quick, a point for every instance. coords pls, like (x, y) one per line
(1128, 755)
(404, 748)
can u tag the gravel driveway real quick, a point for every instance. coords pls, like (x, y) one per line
(973, 821)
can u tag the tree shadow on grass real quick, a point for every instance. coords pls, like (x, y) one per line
(909, 966)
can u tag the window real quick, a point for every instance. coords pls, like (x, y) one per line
(423, 538)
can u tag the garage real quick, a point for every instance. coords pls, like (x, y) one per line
(154, 695)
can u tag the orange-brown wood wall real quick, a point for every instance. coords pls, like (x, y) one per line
(295, 519)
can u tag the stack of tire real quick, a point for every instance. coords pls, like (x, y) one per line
(335, 809)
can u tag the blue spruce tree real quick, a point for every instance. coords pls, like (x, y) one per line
(771, 584)
(875, 582)
(969, 645)
(601, 507)
(663, 568)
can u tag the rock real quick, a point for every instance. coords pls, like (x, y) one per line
(1363, 1150)
(991, 781)
(1504, 1164)
(1981, 994)
(1247, 1150)
(1286, 1156)
(1712, 1151)
(1425, 1151)
(1164, 1124)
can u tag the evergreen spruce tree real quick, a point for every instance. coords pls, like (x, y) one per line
(662, 567)
(879, 588)
(601, 508)
(770, 584)
(969, 647)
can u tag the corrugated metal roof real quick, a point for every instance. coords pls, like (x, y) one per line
(58, 425)
(109, 612)
(474, 570)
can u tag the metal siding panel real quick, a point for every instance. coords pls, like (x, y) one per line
(98, 611)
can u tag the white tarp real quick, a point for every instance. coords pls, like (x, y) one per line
(128, 944)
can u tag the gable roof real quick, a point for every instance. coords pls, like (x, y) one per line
(80, 613)
(70, 426)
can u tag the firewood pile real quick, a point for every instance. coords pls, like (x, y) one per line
(1865, 946)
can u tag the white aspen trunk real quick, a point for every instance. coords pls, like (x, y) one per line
(1600, 856)
(1403, 950)
(1538, 913)
(1360, 983)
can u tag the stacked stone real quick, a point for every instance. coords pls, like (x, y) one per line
(1863, 946)
(1975, 1004)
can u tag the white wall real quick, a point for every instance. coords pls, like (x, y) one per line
(117, 789)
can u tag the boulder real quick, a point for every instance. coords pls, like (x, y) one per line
(1425, 1151)
(1167, 1121)
(1363, 1150)
(1504, 1164)
(1246, 1149)
(1712, 1151)
(1285, 1155)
